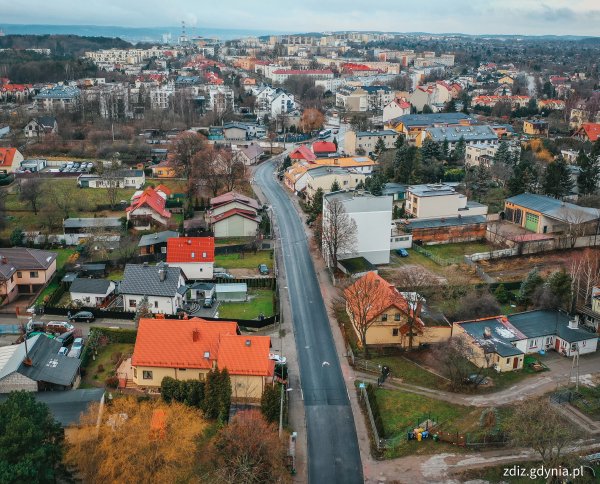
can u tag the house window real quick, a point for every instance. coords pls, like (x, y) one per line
(19, 275)
(201, 376)
(507, 361)
(533, 343)
(132, 303)
(156, 304)
(549, 340)
(397, 317)
(204, 255)
(395, 332)
(182, 369)
(384, 317)
(33, 274)
(135, 373)
(147, 375)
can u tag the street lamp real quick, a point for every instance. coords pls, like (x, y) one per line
(281, 409)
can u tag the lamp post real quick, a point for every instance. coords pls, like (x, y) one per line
(281, 409)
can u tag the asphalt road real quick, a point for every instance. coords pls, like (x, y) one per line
(333, 453)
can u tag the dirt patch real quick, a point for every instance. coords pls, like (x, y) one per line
(245, 273)
(516, 268)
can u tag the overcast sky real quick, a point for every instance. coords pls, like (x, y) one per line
(560, 17)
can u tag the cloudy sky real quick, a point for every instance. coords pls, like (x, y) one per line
(560, 17)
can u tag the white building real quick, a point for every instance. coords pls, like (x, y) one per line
(439, 200)
(395, 109)
(121, 179)
(91, 292)
(367, 140)
(373, 218)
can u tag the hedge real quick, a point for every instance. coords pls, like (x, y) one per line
(117, 335)
(375, 410)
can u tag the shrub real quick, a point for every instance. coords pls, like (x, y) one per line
(111, 382)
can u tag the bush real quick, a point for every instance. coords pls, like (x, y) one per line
(190, 392)
(100, 368)
(115, 335)
(375, 409)
(112, 382)
(502, 295)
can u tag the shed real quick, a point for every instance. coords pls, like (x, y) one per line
(232, 292)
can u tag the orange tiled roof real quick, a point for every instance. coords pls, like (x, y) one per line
(162, 188)
(197, 343)
(346, 162)
(190, 249)
(7, 155)
(152, 199)
(592, 130)
(324, 147)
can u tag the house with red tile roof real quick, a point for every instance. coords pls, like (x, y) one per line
(148, 210)
(187, 349)
(588, 132)
(195, 256)
(303, 153)
(387, 310)
(395, 109)
(10, 160)
(323, 148)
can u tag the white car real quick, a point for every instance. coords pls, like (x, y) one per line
(64, 351)
(282, 360)
(76, 348)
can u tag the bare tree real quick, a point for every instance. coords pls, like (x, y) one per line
(231, 169)
(62, 198)
(186, 147)
(584, 269)
(365, 299)
(457, 356)
(539, 426)
(338, 232)
(577, 224)
(31, 192)
(111, 180)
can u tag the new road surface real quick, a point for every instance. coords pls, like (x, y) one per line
(333, 454)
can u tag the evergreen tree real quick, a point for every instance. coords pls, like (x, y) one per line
(142, 311)
(557, 179)
(431, 149)
(335, 186)
(460, 150)
(503, 154)
(501, 294)
(559, 283)
(379, 146)
(210, 405)
(450, 106)
(376, 185)
(270, 403)
(316, 204)
(445, 149)
(224, 395)
(588, 178)
(335, 142)
(524, 178)
(529, 285)
(427, 109)
(595, 153)
(399, 141)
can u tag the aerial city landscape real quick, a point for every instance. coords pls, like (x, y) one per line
(316, 243)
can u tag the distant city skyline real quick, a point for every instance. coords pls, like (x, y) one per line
(476, 17)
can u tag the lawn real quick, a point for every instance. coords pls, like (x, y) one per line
(104, 364)
(408, 372)
(62, 256)
(245, 260)
(259, 301)
(589, 403)
(224, 241)
(451, 251)
(48, 290)
(115, 275)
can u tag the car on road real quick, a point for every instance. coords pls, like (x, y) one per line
(282, 360)
(476, 379)
(222, 275)
(85, 316)
(77, 348)
(58, 327)
(64, 351)
(402, 252)
(263, 269)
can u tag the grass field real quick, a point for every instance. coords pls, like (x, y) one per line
(102, 367)
(409, 372)
(62, 256)
(259, 301)
(246, 260)
(451, 251)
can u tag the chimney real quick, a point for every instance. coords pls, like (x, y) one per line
(574, 323)
(487, 332)
(162, 274)
(248, 342)
(195, 335)
(3, 260)
(189, 241)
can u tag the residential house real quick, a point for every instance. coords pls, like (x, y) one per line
(590, 313)
(324, 148)
(233, 215)
(189, 349)
(396, 190)
(324, 177)
(501, 342)
(59, 97)
(119, 179)
(249, 154)
(483, 153)
(430, 95)
(547, 215)
(10, 160)
(373, 218)
(195, 256)
(164, 169)
(281, 75)
(148, 210)
(304, 153)
(85, 226)
(388, 316)
(588, 132)
(33, 165)
(235, 131)
(156, 243)
(221, 99)
(91, 292)
(164, 287)
(35, 365)
(40, 127)
(535, 127)
(480, 134)
(490, 101)
(429, 201)
(366, 141)
(411, 125)
(395, 109)
(199, 292)
(352, 99)
(24, 271)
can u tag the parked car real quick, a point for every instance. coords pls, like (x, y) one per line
(402, 252)
(86, 316)
(66, 338)
(59, 327)
(282, 360)
(77, 348)
(208, 302)
(263, 269)
(222, 275)
(32, 326)
(64, 351)
(476, 379)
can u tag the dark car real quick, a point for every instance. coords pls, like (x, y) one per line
(263, 269)
(402, 252)
(82, 316)
(66, 338)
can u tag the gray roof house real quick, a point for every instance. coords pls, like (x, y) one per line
(91, 292)
(163, 285)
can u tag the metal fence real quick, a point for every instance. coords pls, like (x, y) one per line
(438, 260)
